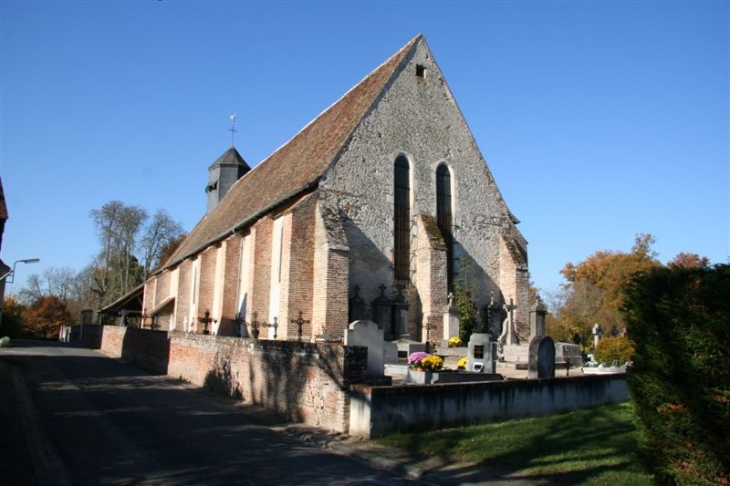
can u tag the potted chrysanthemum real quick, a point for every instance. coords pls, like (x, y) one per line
(415, 360)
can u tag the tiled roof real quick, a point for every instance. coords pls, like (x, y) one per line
(230, 157)
(295, 166)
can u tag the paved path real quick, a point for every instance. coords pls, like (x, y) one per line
(73, 416)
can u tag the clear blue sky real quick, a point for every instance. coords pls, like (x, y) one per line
(599, 120)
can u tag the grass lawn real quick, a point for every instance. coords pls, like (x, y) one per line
(588, 447)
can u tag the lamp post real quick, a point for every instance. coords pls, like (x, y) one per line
(10, 276)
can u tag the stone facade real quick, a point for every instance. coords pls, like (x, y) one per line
(331, 225)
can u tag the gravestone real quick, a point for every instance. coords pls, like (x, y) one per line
(356, 308)
(537, 319)
(541, 361)
(369, 335)
(482, 354)
(390, 352)
(381, 308)
(568, 354)
(451, 322)
(400, 314)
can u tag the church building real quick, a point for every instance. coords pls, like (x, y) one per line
(377, 209)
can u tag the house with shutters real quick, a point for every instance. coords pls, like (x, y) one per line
(375, 210)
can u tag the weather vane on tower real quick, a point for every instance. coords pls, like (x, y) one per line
(233, 130)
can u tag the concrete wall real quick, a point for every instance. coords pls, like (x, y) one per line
(375, 411)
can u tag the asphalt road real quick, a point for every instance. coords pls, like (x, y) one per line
(88, 419)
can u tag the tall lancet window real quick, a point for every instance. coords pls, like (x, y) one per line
(402, 215)
(444, 218)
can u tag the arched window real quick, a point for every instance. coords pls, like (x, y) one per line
(444, 218)
(402, 216)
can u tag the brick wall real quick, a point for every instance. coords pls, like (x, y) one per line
(261, 257)
(227, 325)
(331, 274)
(297, 281)
(305, 382)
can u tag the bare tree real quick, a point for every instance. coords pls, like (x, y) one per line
(157, 235)
(55, 282)
(117, 269)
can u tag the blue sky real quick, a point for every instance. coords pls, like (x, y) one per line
(599, 120)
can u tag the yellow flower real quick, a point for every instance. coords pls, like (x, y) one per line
(455, 342)
(461, 365)
(432, 363)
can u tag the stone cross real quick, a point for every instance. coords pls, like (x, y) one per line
(509, 322)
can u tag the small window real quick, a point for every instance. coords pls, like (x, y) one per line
(420, 71)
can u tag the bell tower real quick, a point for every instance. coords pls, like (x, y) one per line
(225, 172)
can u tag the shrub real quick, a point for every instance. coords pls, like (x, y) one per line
(612, 349)
(678, 319)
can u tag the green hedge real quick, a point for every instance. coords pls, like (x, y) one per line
(679, 321)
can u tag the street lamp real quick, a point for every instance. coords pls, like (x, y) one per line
(10, 276)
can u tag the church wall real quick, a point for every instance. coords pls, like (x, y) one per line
(431, 279)
(418, 118)
(206, 285)
(182, 302)
(227, 325)
(261, 281)
(331, 275)
(299, 270)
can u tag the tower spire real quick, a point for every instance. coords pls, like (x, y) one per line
(233, 130)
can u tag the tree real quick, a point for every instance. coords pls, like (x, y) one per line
(130, 248)
(594, 288)
(680, 379)
(689, 260)
(117, 227)
(55, 281)
(155, 243)
(46, 315)
(12, 317)
(169, 248)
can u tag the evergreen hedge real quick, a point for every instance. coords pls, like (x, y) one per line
(679, 321)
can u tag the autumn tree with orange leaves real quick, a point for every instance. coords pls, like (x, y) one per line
(45, 316)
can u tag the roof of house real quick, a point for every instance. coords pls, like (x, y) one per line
(294, 167)
(3, 206)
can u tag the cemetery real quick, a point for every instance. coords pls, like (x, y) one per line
(363, 385)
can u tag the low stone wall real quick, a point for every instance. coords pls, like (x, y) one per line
(305, 382)
(375, 411)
